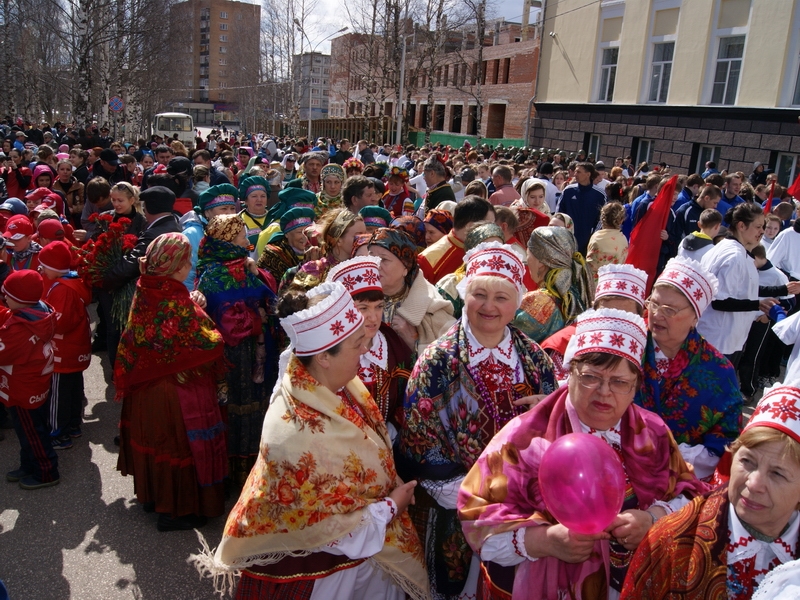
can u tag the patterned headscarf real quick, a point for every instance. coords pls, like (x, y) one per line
(481, 233)
(332, 169)
(338, 226)
(556, 248)
(399, 243)
(413, 226)
(362, 239)
(166, 255)
(441, 219)
(225, 227)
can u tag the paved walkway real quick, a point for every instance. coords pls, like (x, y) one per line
(87, 538)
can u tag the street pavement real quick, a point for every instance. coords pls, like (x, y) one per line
(88, 538)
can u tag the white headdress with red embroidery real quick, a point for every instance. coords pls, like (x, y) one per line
(611, 331)
(322, 326)
(779, 409)
(358, 274)
(621, 280)
(693, 280)
(495, 260)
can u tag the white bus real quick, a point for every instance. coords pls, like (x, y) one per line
(170, 123)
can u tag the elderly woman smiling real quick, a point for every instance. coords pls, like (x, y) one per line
(724, 544)
(464, 387)
(500, 504)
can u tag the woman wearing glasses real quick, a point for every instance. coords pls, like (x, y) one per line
(687, 381)
(500, 504)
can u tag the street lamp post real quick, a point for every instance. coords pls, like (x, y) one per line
(311, 66)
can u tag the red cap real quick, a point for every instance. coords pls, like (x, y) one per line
(51, 229)
(56, 256)
(18, 227)
(25, 287)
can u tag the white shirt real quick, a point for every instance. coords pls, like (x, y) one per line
(738, 278)
(788, 331)
(551, 194)
(784, 252)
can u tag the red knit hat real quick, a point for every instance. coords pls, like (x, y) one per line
(51, 229)
(56, 256)
(18, 227)
(25, 287)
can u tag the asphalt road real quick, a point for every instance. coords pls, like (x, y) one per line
(88, 538)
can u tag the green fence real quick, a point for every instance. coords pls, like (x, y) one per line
(453, 139)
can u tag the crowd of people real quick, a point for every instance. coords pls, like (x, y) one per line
(373, 347)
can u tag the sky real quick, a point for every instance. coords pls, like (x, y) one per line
(333, 17)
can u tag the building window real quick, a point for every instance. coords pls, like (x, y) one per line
(223, 27)
(223, 73)
(223, 15)
(729, 66)
(221, 96)
(787, 169)
(223, 50)
(223, 61)
(644, 151)
(223, 38)
(239, 16)
(223, 84)
(593, 147)
(662, 70)
(315, 102)
(608, 74)
(706, 154)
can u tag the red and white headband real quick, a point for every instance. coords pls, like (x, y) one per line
(610, 331)
(324, 325)
(693, 280)
(621, 280)
(358, 274)
(779, 409)
(494, 259)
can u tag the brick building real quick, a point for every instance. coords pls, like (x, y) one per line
(674, 81)
(222, 38)
(510, 58)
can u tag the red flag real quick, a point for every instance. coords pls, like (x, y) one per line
(645, 246)
(768, 205)
(794, 191)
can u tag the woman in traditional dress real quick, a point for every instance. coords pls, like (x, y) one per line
(237, 301)
(500, 504)
(339, 229)
(412, 307)
(722, 545)
(464, 388)
(286, 249)
(565, 287)
(254, 194)
(438, 223)
(323, 514)
(385, 367)
(608, 245)
(448, 285)
(397, 199)
(172, 436)
(688, 382)
(330, 196)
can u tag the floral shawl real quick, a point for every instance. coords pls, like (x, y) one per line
(501, 492)
(319, 466)
(445, 423)
(278, 258)
(166, 333)
(233, 294)
(698, 397)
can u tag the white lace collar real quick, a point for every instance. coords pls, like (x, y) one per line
(742, 545)
(613, 436)
(504, 352)
(378, 353)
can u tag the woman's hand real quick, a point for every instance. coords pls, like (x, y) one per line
(403, 495)
(406, 331)
(664, 235)
(198, 298)
(765, 304)
(529, 401)
(630, 527)
(313, 253)
(793, 287)
(561, 543)
(79, 235)
(251, 266)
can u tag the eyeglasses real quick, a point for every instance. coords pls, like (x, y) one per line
(593, 382)
(668, 311)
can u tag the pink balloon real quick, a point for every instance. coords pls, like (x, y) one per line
(582, 482)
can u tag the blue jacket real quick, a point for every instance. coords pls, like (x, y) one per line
(583, 203)
(193, 228)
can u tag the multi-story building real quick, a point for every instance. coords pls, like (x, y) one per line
(507, 75)
(311, 77)
(678, 81)
(222, 47)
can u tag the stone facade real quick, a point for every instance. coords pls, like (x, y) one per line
(679, 135)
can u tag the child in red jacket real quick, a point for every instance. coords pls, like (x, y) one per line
(72, 342)
(26, 367)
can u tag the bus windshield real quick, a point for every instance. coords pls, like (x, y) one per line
(174, 124)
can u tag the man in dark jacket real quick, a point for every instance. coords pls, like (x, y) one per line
(109, 168)
(365, 155)
(343, 153)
